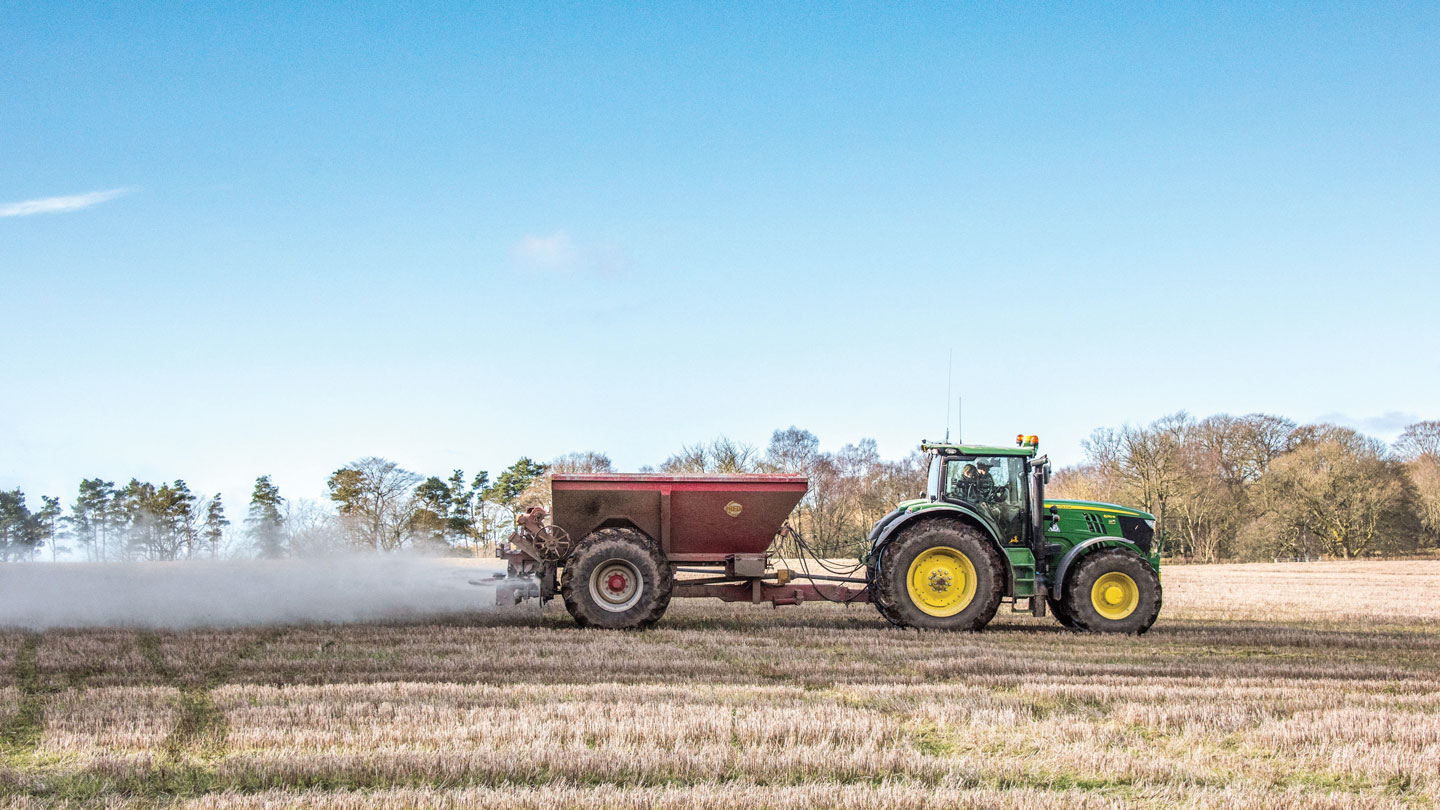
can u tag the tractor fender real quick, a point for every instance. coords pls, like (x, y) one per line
(881, 525)
(893, 523)
(1058, 581)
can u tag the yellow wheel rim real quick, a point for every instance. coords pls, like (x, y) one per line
(941, 581)
(1115, 595)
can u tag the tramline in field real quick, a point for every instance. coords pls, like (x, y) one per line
(983, 534)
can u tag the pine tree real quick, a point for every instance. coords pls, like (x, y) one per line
(50, 517)
(94, 515)
(430, 518)
(140, 519)
(462, 510)
(482, 522)
(181, 521)
(264, 523)
(480, 483)
(19, 527)
(212, 532)
(514, 480)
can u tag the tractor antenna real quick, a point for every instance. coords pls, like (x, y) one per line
(960, 419)
(949, 374)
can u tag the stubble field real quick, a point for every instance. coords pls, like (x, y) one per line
(1296, 685)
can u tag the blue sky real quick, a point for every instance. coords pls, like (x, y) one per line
(452, 236)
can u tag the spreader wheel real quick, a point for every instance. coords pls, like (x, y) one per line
(941, 576)
(617, 579)
(1113, 591)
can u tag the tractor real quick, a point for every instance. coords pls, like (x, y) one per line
(985, 533)
(619, 547)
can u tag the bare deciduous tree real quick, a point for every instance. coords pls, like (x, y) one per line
(1419, 447)
(1198, 478)
(373, 497)
(539, 491)
(723, 455)
(1338, 486)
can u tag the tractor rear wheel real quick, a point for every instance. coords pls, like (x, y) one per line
(941, 576)
(878, 598)
(1113, 591)
(617, 579)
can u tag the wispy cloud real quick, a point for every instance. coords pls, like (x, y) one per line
(60, 205)
(1388, 422)
(558, 252)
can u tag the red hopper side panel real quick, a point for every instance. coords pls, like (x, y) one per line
(693, 516)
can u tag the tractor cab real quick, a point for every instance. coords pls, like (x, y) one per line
(992, 481)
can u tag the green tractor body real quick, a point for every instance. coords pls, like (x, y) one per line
(985, 533)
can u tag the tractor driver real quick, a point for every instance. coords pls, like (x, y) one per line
(976, 484)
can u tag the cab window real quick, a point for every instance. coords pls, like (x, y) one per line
(932, 483)
(995, 484)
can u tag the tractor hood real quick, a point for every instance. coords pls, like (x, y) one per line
(916, 504)
(1097, 506)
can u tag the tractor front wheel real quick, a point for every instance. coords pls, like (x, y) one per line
(1113, 591)
(1061, 613)
(941, 576)
(616, 579)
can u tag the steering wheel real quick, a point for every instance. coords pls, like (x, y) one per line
(985, 490)
(982, 489)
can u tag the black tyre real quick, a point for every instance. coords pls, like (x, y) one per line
(1113, 591)
(878, 598)
(617, 579)
(941, 576)
(1061, 613)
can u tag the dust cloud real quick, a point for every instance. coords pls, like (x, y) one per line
(233, 593)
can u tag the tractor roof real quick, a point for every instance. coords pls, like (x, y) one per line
(947, 449)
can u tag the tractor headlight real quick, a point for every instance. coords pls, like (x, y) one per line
(1151, 524)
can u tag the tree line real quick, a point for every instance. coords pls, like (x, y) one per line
(1261, 486)
(374, 505)
(137, 521)
(1249, 487)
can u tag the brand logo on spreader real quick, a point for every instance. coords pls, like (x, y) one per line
(733, 509)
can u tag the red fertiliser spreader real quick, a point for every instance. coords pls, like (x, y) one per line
(613, 544)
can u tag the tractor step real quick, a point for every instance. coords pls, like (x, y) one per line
(1022, 572)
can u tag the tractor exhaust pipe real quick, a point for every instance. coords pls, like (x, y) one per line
(1039, 475)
